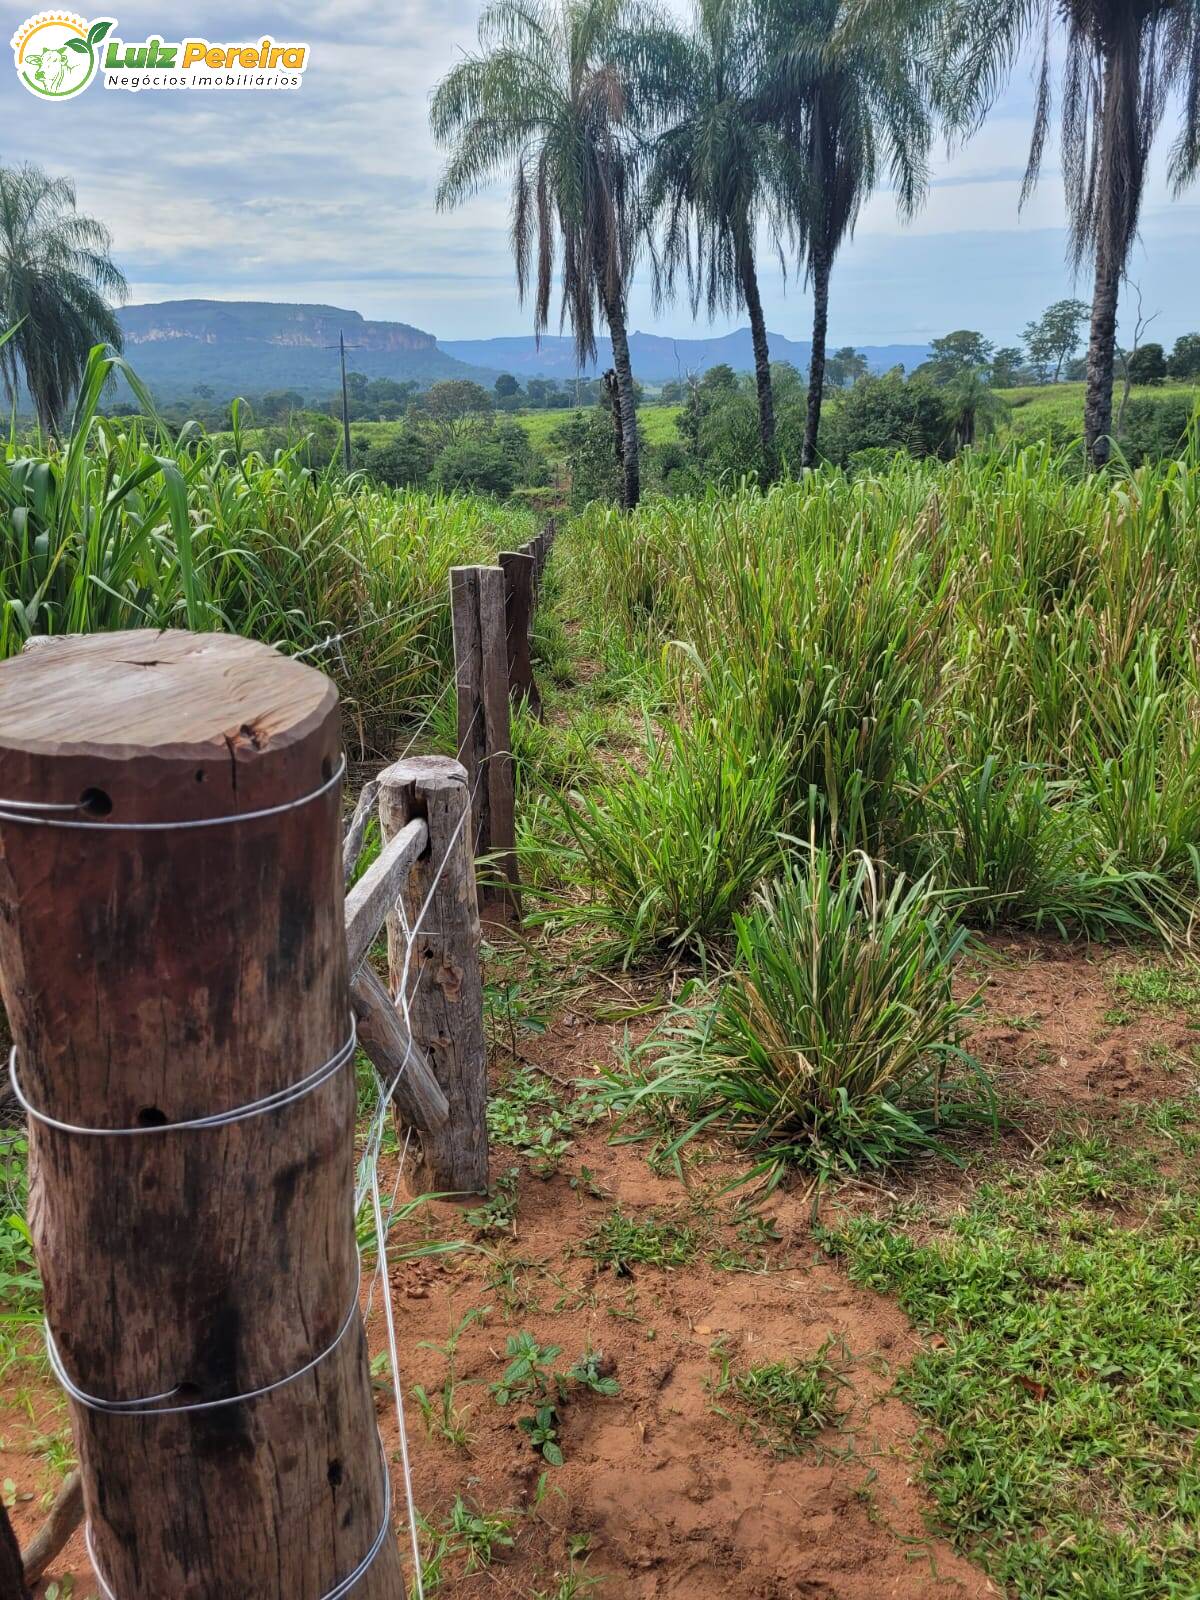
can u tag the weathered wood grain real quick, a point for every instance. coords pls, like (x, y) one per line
(418, 1097)
(151, 977)
(442, 980)
(518, 570)
(379, 889)
(485, 750)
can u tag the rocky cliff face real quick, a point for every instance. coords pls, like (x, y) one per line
(248, 347)
(242, 322)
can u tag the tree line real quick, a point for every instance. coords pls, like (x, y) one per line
(623, 133)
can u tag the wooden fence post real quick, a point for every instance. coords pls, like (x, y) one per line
(519, 571)
(484, 737)
(159, 974)
(442, 979)
(12, 1574)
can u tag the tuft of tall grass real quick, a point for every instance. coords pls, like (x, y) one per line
(655, 857)
(833, 1041)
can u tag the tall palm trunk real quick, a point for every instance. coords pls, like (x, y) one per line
(614, 311)
(1102, 344)
(820, 261)
(1098, 407)
(762, 362)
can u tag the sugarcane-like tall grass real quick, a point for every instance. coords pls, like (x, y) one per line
(989, 670)
(126, 527)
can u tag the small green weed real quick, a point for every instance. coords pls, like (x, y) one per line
(529, 1375)
(480, 1535)
(529, 1116)
(572, 1585)
(592, 1372)
(530, 1380)
(621, 1243)
(784, 1403)
(498, 1214)
(440, 1412)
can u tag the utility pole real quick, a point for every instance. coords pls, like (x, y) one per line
(341, 346)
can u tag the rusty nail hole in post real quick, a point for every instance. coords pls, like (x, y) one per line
(96, 802)
(151, 1117)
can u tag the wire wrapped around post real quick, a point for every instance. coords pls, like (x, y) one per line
(181, 960)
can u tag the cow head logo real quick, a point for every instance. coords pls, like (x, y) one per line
(57, 54)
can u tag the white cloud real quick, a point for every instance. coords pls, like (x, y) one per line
(328, 194)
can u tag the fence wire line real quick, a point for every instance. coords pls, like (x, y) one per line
(335, 640)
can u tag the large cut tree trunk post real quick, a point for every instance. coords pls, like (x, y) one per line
(762, 364)
(157, 975)
(816, 373)
(440, 985)
(1102, 343)
(631, 481)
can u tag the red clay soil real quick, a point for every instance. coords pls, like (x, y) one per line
(670, 1487)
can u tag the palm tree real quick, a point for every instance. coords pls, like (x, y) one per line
(717, 169)
(1122, 61)
(557, 94)
(850, 111)
(56, 275)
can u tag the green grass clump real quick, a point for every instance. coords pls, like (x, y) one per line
(1158, 985)
(833, 1041)
(621, 1242)
(654, 859)
(786, 1403)
(1063, 1396)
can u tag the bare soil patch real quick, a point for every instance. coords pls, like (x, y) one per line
(666, 1486)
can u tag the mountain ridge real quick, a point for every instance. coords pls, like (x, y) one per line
(659, 358)
(249, 347)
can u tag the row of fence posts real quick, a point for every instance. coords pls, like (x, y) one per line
(180, 962)
(493, 611)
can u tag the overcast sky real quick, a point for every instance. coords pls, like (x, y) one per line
(326, 194)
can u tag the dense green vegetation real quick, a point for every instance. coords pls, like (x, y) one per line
(802, 744)
(981, 676)
(127, 528)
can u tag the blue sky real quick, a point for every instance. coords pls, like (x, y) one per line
(326, 194)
